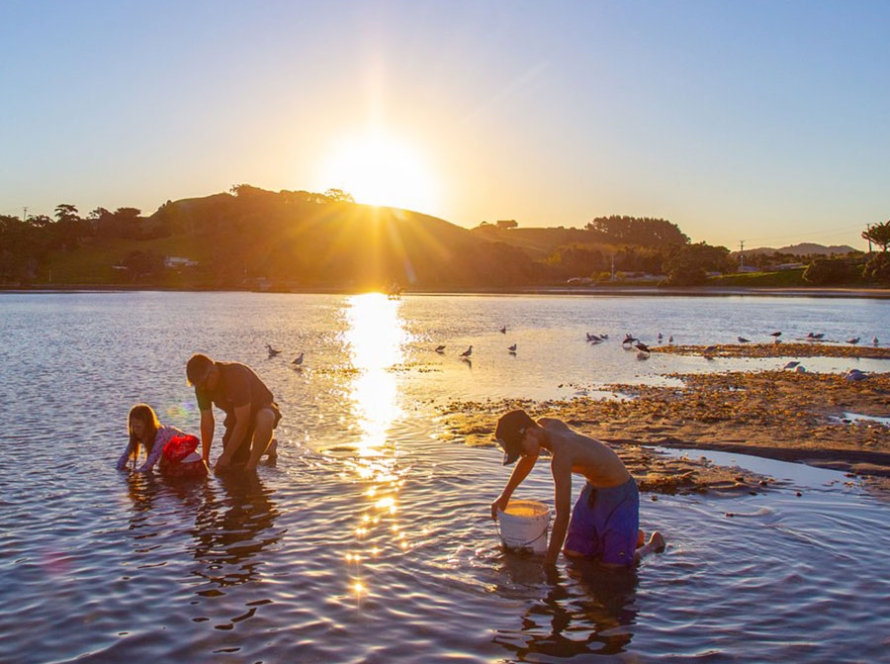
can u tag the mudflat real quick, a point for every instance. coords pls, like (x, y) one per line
(826, 420)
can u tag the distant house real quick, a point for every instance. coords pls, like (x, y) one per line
(789, 266)
(178, 261)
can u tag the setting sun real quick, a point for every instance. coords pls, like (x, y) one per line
(378, 169)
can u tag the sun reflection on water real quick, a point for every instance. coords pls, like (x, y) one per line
(375, 336)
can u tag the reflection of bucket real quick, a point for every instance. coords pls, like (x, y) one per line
(523, 525)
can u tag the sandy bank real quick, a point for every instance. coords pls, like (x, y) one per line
(799, 417)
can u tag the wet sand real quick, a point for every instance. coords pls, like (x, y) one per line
(785, 415)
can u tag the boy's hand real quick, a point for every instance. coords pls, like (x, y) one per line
(499, 505)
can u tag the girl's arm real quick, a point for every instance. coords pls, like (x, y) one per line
(122, 462)
(165, 433)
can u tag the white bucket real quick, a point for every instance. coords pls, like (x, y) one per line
(524, 524)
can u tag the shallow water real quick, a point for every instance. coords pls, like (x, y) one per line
(369, 541)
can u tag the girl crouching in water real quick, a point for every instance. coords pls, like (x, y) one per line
(174, 449)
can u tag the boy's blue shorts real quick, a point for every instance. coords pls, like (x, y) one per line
(605, 522)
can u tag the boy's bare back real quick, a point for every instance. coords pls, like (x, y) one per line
(589, 457)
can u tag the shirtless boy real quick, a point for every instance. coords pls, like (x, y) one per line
(605, 521)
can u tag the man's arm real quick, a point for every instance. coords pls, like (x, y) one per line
(208, 426)
(562, 499)
(239, 433)
(523, 467)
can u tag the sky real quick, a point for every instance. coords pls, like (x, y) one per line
(746, 123)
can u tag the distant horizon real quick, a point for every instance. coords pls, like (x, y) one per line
(760, 123)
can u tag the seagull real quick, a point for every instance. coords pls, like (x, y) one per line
(742, 340)
(791, 365)
(628, 340)
(272, 351)
(440, 349)
(467, 352)
(643, 348)
(856, 374)
(512, 349)
(800, 369)
(775, 334)
(592, 338)
(815, 337)
(298, 360)
(671, 339)
(660, 337)
(875, 342)
(854, 341)
(504, 330)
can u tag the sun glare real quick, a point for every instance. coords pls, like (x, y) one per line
(378, 169)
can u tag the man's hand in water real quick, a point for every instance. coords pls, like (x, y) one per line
(222, 464)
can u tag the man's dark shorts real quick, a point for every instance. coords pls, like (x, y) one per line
(605, 522)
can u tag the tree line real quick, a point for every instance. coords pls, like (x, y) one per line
(309, 239)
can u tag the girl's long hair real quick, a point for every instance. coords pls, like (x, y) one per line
(145, 413)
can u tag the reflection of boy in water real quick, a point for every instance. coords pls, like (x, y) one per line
(604, 523)
(251, 412)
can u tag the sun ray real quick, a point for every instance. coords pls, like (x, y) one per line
(382, 170)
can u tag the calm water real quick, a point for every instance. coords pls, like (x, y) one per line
(369, 541)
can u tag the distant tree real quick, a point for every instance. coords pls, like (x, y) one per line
(339, 196)
(246, 190)
(879, 234)
(829, 271)
(689, 265)
(98, 213)
(66, 212)
(644, 231)
(877, 269)
(575, 261)
(507, 223)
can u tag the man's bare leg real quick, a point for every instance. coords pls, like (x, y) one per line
(262, 436)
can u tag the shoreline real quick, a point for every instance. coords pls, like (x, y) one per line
(607, 291)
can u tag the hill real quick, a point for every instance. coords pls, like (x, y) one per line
(802, 249)
(298, 238)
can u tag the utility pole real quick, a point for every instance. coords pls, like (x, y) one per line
(741, 254)
(25, 214)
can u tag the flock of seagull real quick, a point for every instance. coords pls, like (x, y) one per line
(631, 342)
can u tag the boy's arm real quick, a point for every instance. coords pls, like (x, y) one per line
(562, 498)
(523, 467)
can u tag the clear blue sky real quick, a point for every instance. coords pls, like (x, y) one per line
(757, 120)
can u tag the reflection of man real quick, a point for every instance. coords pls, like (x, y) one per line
(233, 528)
(250, 408)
